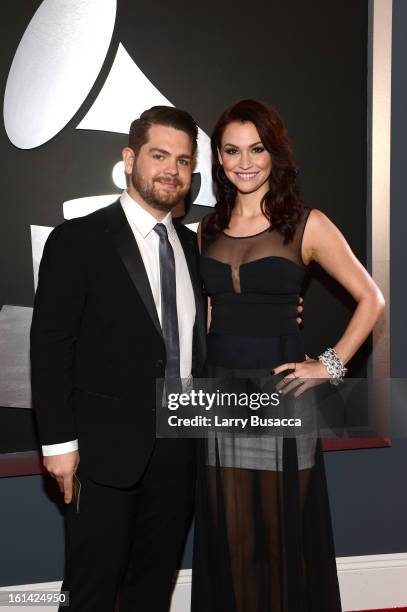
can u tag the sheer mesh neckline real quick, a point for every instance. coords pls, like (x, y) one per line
(250, 236)
(237, 251)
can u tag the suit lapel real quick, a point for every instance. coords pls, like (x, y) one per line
(116, 224)
(126, 245)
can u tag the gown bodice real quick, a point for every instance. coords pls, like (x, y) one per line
(254, 281)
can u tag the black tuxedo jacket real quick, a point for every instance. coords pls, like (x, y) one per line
(97, 346)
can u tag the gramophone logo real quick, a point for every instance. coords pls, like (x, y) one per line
(55, 67)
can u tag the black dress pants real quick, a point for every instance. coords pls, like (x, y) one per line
(128, 542)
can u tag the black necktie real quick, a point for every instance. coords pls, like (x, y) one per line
(169, 318)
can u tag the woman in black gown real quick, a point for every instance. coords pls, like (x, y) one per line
(263, 538)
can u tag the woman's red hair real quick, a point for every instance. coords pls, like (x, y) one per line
(281, 205)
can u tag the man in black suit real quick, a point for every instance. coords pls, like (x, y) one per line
(119, 304)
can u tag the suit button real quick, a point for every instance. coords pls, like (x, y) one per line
(159, 363)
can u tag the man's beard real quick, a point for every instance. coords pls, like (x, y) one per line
(155, 198)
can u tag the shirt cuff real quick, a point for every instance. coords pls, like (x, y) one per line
(60, 449)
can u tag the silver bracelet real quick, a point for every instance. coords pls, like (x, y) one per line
(334, 365)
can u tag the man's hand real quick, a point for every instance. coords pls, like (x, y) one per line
(300, 309)
(62, 468)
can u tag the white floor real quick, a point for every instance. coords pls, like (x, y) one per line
(369, 582)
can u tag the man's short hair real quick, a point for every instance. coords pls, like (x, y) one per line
(161, 115)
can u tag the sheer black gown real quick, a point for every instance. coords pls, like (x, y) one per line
(263, 538)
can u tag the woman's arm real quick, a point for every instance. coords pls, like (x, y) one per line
(324, 243)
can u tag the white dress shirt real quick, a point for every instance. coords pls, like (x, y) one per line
(142, 224)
